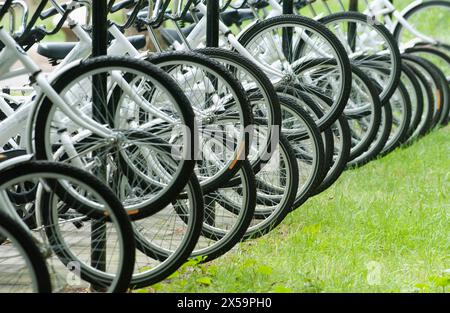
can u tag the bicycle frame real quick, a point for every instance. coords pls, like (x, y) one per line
(12, 125)
(385, 8)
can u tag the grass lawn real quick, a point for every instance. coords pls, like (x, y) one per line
(381, 228)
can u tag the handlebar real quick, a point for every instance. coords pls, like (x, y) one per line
(51, 12)
(4, 8)
(127, 4)
(158, 13)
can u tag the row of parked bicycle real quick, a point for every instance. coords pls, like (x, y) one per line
(115, 170)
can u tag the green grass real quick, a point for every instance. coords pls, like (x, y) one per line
(381, 228)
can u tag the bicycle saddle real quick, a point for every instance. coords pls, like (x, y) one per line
(231, 17)
(59, 50)
(171, 35)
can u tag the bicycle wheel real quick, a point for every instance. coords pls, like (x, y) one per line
(341, 153)
(22, 266)
(336, 149)
(150, 121)
(426, 119)
(83, 225)
(363, 112)
(380, 139)
(436, 13)
(401, 119)
(414, 91)
(438, 80)
(315, 112)
(339, 147)
(438, 57)
(166, 239)
(441, 63)
(368, 44)
(303, 136)
(228, 213)
(263, 101)
(295, 48)
(222, 110)
(276, 189)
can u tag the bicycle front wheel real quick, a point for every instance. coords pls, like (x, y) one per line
(148, 156)
(293, 50)
(82, 226)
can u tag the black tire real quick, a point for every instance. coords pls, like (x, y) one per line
(15, 233)
(115, 206)
(306, 188)
(371, 62)
(341, 99)
(342, 144)
(374, 111)
(433, 55)
(433, 52)
(186, 111)
(410, 80)
(170, 260)
(305, 102)
(401, 119)
(337, 149)
(426, 119)
(443, 91)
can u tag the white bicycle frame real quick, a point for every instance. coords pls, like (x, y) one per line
(385, 8)
(13, 124)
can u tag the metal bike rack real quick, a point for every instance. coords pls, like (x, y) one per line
(212, 41)
(99, 48)
(353, 5)
(212, 23)
(351, 39)
(99, 27)
(288, 8)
